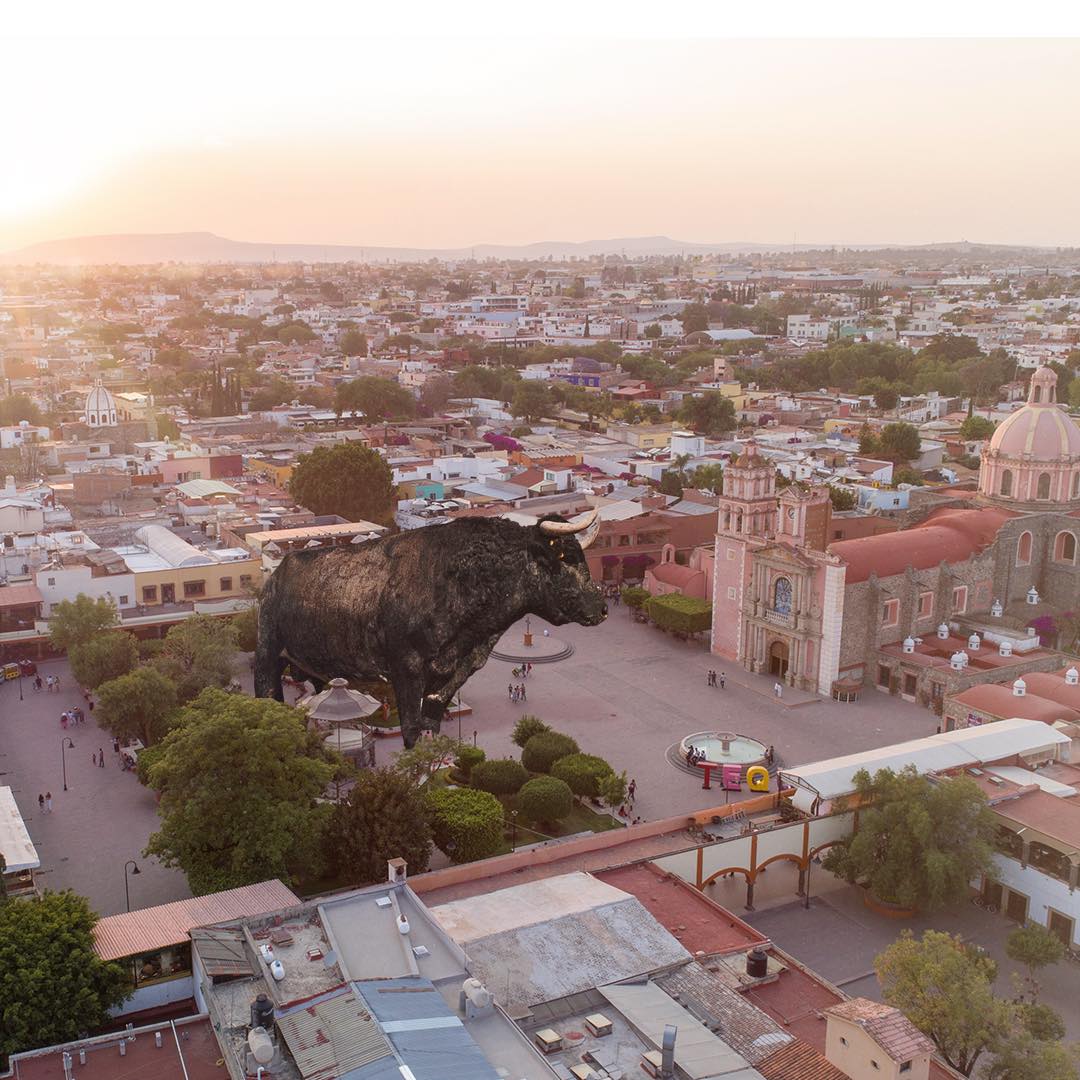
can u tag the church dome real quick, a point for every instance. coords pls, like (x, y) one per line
(100, 410)
(1034, 455)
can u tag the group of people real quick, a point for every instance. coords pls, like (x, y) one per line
(99, 758)
(523, 672)
(50, 684)
(45, 803)
(71, 717)
(627, 807)
(614, 594)
(713, 679)
(694, 756)
(516, 692)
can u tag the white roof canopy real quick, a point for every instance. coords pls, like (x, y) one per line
(15, 844)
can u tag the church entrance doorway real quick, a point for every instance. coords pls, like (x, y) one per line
(779, 655)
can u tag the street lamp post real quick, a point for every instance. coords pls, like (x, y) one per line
(513, 841)
(65, 745)
(134, 870)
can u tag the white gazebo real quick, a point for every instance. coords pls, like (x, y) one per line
(343, 709)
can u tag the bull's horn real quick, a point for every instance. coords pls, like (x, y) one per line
(587, 525)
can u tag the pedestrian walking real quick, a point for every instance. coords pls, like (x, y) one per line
(631, 789)
(778, 690)
(116, 746)
(510, 691)
(64, 720)
(41, 803)
(523, 697)
(723, 679)
(48, 802)
(93, 758)
(528, 669)
(101, 758)
(708, 678)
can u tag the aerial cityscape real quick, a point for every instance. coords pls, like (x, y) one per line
(498, 613)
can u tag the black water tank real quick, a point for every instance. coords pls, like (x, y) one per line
(262, 1013)
(757, 964)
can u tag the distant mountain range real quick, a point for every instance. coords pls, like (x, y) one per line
(205, 247)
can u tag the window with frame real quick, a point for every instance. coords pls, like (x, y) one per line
(890, 613)
(926, 605)
(245, 580)
(149, 594)
(905, 1066)
(624, 540)
(123, 600)
(1023, 549)
(225, 584)
(51, 581)
(959, 599)
(194, 588)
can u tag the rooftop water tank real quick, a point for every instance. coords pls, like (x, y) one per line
(277, 969)
(757, 964)
(261, 1045)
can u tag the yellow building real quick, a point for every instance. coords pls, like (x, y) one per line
(276, 472)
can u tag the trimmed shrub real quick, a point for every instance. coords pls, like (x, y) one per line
(526, 728)
(543, 750)
(501, 777)
(546, 799)
(582, 772)
(468, 757)
(613, 789)
(466, 824)
(634, 596)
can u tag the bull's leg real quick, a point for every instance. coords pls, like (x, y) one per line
(408, 689)
(269, 664)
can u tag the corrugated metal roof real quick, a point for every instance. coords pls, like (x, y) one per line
(15, 843)
(332, 1035)
(20, 595)
(223, 951)
(428, 1037)
(170, 924)
(698, 1052)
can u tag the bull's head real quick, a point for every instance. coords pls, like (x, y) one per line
(565, 589)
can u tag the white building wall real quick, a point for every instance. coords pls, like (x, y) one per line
(1043, 893)
(832, 621)
(156, 995)
(67, 583)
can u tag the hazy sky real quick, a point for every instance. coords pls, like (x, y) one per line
(388, 140)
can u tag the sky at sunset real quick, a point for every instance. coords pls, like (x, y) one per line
(448, 141)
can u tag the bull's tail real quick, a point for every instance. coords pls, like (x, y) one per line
(269, 663)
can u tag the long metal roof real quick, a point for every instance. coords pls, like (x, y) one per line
(15, 843)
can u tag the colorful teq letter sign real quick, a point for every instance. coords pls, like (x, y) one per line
(757, 778)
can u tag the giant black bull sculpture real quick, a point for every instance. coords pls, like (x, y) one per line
(422, 609)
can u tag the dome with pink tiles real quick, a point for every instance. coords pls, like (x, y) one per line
(1034, 455)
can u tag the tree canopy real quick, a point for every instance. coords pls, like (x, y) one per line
(376, 397)
(104, 657)
(346, 479)
(354, 343)
(977, 427)
(383, 818)
(239, 778)
(532, 400)
(18, 407)
(709, 414)
(137, 705)
(75, 622)
(197, 653)
(54, 986)
(919, 842)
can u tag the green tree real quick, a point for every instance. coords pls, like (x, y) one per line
(583, 773)
(435, 394)
(1024, 1057)
(546, 800)
(613, 789)
(55, 987)
(545, 748)
(708, 478)
(653, 332)
(402, 341)
(841, 498)
(679, 614)
(1035, 947)
(354, 343)
(502, 776)
(105, 657)
(900, 442)
(427, 757)
(467, 758)
(18, 407)
(75, 622)
(346, 479)
(671, 483)
(197, 653)
(868, 441)
(246, 625)
(976, 427)
(239, 778)
(137, 705)
(383, 818)
(466, 824)
(944, 987)
(294, 332)
(709, 414)
(694, 317)
(277, 391)
(532, 400)
(908, 476)
(919, 842)
(526, 728)
(376, 397)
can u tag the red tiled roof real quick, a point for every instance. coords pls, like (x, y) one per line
(950, 536)
(673, 573)
(20, 595)
(799, 1061)
(886, 1025)
(1000, 701)
(169, 924)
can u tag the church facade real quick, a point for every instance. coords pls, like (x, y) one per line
(819, 615)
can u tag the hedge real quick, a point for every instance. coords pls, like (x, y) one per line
(467, 758)
(634, 596)
(543, 750)
(680, 614)
(466, 824)
(501, 777)
(545, 799)
(526, 728)
(582, 772)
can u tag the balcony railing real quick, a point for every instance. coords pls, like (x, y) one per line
(781, 618)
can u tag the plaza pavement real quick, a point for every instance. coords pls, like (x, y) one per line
(627, 693)
(838, 938)
(102, 820)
